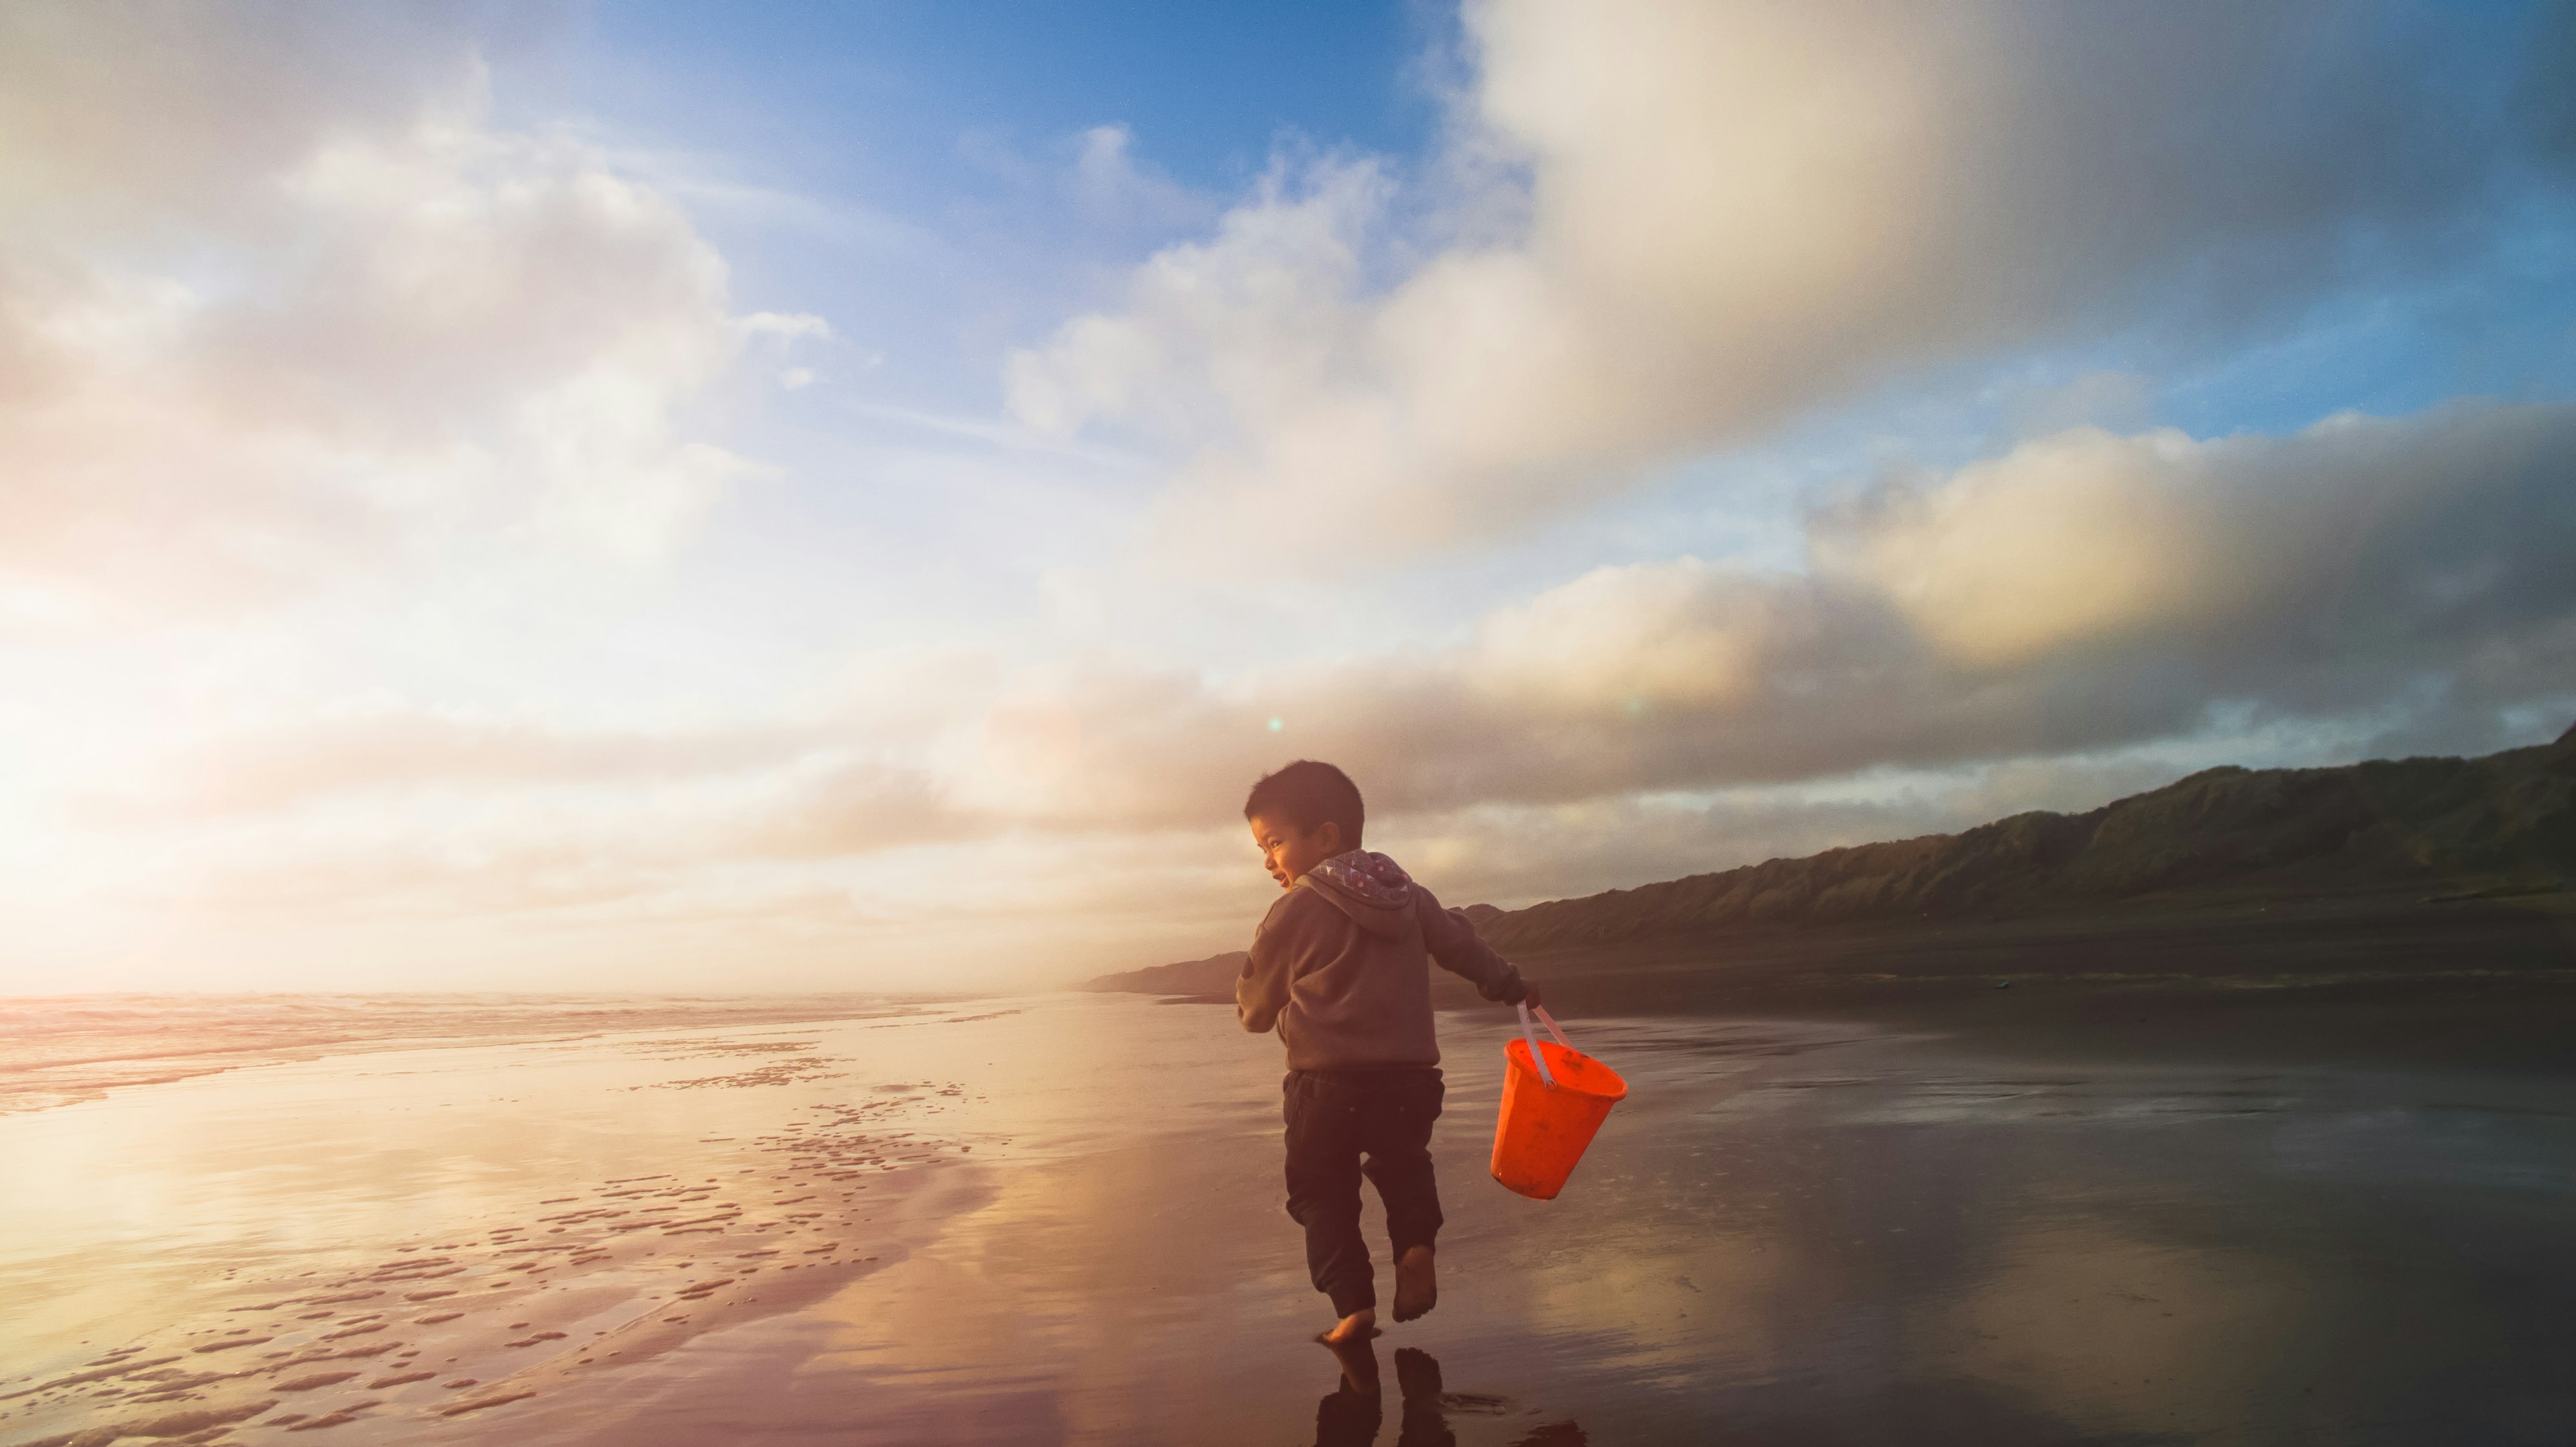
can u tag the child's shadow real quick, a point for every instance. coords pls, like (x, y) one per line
(1352, 1413)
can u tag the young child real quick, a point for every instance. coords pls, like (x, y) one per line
(1341, 968)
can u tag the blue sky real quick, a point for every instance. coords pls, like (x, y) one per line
(945, 130)
(879, 97)
(837, 495)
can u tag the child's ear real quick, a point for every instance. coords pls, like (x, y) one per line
(1329, 835)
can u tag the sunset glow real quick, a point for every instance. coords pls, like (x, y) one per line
(551, 498)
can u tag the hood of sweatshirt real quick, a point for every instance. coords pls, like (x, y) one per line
(1372, 889)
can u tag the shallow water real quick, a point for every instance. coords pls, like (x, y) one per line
(1058, 1219)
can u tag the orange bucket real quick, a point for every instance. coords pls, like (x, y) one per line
(1543, 1131)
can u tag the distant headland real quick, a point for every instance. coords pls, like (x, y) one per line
(2373, 877)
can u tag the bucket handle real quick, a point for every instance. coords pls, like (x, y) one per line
(1537, 1057)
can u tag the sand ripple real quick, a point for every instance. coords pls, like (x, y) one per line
(582, 1281)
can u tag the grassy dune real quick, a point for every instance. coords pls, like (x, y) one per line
(2417, 908)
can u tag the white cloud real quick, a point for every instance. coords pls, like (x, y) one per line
(786, 326)
(2362, 582)
(1112, 188)
(1262, 307)
(2083, 591)
(1733, 213)
(294, 315)
(1676, 634)
(2383, 530)
(2076, 537)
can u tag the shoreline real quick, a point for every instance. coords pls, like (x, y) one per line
(66, 1049)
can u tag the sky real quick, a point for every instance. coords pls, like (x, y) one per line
(630, 496)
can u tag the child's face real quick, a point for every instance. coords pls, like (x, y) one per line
(1288, 851)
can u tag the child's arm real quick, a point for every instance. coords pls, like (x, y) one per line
(1261, 991)
(1455, 944)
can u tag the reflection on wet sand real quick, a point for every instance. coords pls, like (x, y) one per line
(1057, 1221)
(511, 1298)
(1352, 1413)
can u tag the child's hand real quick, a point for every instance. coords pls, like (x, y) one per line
(1530, 997)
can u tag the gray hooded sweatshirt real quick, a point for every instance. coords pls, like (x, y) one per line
(1341, 967)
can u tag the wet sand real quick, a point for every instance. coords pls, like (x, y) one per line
(1813, 1231)
(2359, 980)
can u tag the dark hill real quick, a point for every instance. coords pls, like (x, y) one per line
(2494, 825)
(2427, 830)
(1211, 976)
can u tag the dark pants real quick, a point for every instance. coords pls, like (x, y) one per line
(1334, 1119)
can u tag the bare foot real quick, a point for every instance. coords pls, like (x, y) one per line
(1358, 1359)
(1417, 1287)
(1358, 1326)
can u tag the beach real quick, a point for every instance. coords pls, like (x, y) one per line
(1057, 1218)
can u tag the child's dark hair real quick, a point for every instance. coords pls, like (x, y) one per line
(1308, 795)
